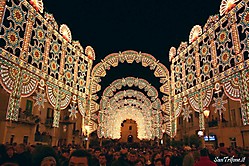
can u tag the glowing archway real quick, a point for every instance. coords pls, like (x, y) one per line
(149, 105)
(112, 60)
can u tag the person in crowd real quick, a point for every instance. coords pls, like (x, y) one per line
(122, 160)
(132, 157)
(139, 163)
(158, 162)
(116, 155)
(10, 156)
(188, 159)
(95, 158)
(80, 158)
(204, 159)
(148, 158)
(44, 155)
(23, 157)
(65, 154)
(103, 160)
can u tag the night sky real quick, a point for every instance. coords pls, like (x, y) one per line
(110, 26)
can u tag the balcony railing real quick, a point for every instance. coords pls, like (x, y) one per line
(49, 122)
(43, 138)
(28, 118)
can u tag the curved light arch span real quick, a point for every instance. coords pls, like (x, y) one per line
(111, 101)
(130, 56)
(145, 128)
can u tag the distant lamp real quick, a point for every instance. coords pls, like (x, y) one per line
(206, 113)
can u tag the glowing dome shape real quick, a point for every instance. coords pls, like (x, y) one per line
(89, 51)
(226, 6)
(195, 33)
(172, 53)
(65, 32)
(37, 4)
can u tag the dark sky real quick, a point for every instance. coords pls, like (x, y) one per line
(111, 26)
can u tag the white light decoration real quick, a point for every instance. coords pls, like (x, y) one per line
(65, 32)
(226, 6)
(89, 51)
(113, 123)
(219, 104)
(73, 111)
(40, 99)
(196, 31)
(37, 4)
(172, 53)
(186, 113)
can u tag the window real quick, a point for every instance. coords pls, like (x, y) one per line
(74, 126)
(12, 139)
(130, 127)
(191, 120)
(50, 113)
(25, 139)
(233, 141)
(233, 118)
(29, 106)
(180, 120)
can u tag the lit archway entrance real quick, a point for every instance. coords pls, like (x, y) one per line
(129, 131)
(94, 111)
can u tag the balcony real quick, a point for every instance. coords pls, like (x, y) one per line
(43, 138)
(49, 122)
(66, 120)
(215, 123)
(28, 118)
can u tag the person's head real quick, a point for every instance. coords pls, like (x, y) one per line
(44, 155)
(102, 159)
(80, 157)
(132, 156)
(20, 148)
(97, 152)
(158, 162)
(139, 163)
(204, 152)
(65, 152)
(116, 155)
(10, 151)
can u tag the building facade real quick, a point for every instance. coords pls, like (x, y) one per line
(210, 78)
(44, 76)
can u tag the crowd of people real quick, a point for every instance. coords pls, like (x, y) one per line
(119, 155)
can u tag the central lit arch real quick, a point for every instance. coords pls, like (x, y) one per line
(114, 121)
(113, 60)
(149, 106)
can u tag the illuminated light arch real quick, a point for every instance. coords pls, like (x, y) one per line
(37, 4)
(210, 22)
(231, 87)
(65, 32)
(8, 78)
(112, 101)
(65, 98)
(226, 6)
(130, 56)
(206, 97)
(89, 51)
(131, 81)
(172, 53)
(126, 93)
(196, 31)
(114, 121)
